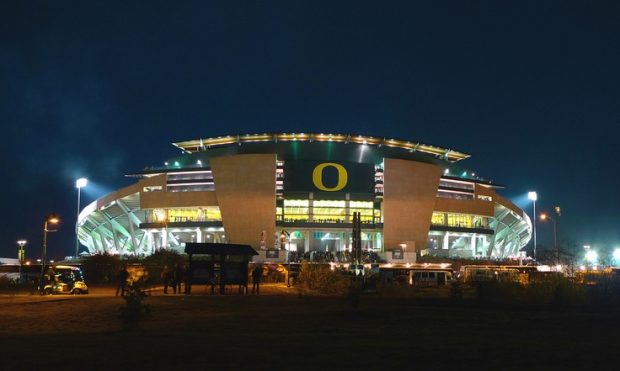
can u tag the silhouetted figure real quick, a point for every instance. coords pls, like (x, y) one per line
(166, 276)
(123, 275)
(257, 274)
(50, 277)
(179, 278)
(188, 281)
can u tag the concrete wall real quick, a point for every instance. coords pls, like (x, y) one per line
(245, 186)
(409, 194)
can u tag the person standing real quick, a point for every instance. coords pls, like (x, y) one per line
(257, 274)
(123, 275)
(166, 276)
(179, 277)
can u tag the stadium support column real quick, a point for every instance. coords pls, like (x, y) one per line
(245, 187)
(409, 196)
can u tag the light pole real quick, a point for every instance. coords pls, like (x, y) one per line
(533, 196)
(21, 255)
(79, 184)
(53, 219)
(544, 217)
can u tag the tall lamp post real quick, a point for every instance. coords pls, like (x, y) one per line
(51, 219)
(79, 184)
(545, 217)
(533, 196)
(21, 255)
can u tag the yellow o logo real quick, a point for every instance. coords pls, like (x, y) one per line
(317, 177)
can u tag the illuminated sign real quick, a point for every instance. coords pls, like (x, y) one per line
(315, 176)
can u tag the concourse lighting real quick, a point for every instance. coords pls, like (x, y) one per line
(617, 254)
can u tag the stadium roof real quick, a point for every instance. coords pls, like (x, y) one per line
(198, 145)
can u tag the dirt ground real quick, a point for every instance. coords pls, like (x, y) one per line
(281, 330)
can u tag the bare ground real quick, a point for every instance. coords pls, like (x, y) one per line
(282, 330)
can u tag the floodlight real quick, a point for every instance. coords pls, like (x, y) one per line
(592, 256)
(533, 196)
(81, 183)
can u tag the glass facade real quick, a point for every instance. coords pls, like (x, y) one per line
(327, 211)
(459, 220)
(308, 240)
(180, 215)
(458, 245)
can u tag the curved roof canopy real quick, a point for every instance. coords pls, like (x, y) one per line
(198, 145)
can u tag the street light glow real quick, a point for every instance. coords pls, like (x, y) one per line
(592, 256)
(543, 216)
(22, 243)
(533, 196)
(617, 254)
(80, 183)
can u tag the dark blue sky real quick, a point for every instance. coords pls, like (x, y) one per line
(101, 88)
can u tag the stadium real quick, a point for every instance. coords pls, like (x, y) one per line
(298, 192)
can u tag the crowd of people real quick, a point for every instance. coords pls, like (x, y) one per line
(331, 257)
(175, 278)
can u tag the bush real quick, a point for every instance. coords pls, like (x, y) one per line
(134, 310)
(319, 278)
(559, 291)
(155, 263)
(101, 268)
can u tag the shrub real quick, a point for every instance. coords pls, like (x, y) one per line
(101, 268)
(559, 291)
(155, 263)
(134, 310)
(319, 278)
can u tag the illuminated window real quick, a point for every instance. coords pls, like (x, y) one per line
(438, 219)
(296, 210)
(329, 211)
(201, 214)
(459, 220)
(156, 188)
(300, 203)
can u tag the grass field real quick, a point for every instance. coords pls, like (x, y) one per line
(281, 330)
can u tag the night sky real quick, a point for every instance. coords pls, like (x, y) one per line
(101, 88)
